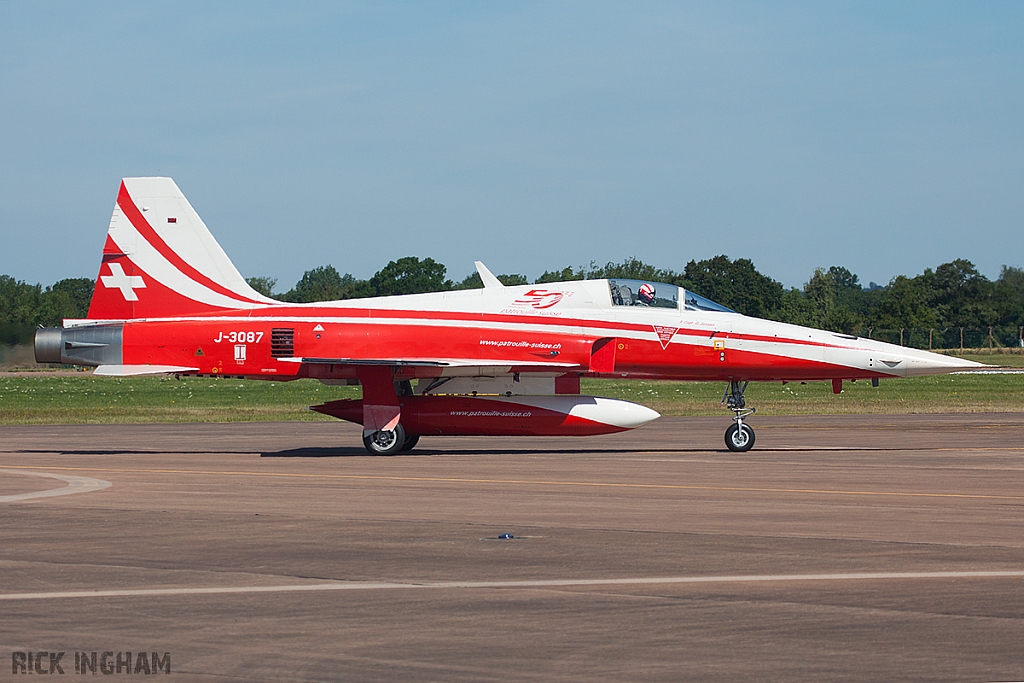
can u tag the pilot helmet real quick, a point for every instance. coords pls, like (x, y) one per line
(646, 293)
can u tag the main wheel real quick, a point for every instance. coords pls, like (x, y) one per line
(385, 442)
(739, 440)
(410, 442)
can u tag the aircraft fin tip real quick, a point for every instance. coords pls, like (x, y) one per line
(487, 276)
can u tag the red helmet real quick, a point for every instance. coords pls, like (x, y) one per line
(646, 293)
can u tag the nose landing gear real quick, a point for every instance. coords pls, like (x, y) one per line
(739, 437)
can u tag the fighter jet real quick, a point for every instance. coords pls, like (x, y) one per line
(496, 361)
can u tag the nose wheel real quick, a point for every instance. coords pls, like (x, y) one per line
(739, 437)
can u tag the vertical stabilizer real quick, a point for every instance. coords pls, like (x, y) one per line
(159, 259)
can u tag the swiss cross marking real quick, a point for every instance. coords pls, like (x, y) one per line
(665, 334)
(126, 283)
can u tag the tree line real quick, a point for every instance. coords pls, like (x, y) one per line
(953, 296)
(23, 306)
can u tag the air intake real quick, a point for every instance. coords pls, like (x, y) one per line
(282, 342)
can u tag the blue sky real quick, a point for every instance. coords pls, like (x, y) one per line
(884, 137)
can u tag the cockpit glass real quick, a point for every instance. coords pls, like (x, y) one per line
(695, 302)
(643, 293)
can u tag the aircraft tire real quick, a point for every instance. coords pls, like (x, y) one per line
(410, 442)
(739, 442)
(385, 442)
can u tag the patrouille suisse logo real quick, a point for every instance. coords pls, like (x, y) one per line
(665, 334)
(539, 298)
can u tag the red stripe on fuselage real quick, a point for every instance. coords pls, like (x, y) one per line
(170, 343)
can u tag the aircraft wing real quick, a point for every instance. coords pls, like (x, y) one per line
(434, 362)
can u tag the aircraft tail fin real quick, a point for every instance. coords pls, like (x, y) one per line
(160, 259)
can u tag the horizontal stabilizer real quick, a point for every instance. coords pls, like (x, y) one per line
(133, 370)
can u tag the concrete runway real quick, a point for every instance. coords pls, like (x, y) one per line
(857, 548)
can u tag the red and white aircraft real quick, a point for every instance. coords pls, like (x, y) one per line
(494, 361)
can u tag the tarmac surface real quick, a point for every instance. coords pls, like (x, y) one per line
(851, 548)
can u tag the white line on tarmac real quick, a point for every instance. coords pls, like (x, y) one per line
(76, 484)
(542, 583)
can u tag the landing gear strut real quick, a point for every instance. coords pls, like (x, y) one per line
(738, 437)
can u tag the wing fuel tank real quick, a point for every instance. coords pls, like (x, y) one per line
(506, 416)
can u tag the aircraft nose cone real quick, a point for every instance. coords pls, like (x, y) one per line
(921, 363)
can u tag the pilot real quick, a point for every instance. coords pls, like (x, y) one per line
(646, 294)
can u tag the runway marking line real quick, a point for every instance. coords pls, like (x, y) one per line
(541, 583)
(74, 485)
(593, 484)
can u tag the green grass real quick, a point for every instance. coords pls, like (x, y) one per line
(82, 399)
(72, 399)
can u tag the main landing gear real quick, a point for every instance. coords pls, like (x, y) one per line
(385, 441)
(739, 437)
(381, 405)
(390, 442)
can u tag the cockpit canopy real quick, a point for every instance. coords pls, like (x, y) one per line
(659, 295)
(641, 293)
(695, 302)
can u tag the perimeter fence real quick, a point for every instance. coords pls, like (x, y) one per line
(951, 338)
